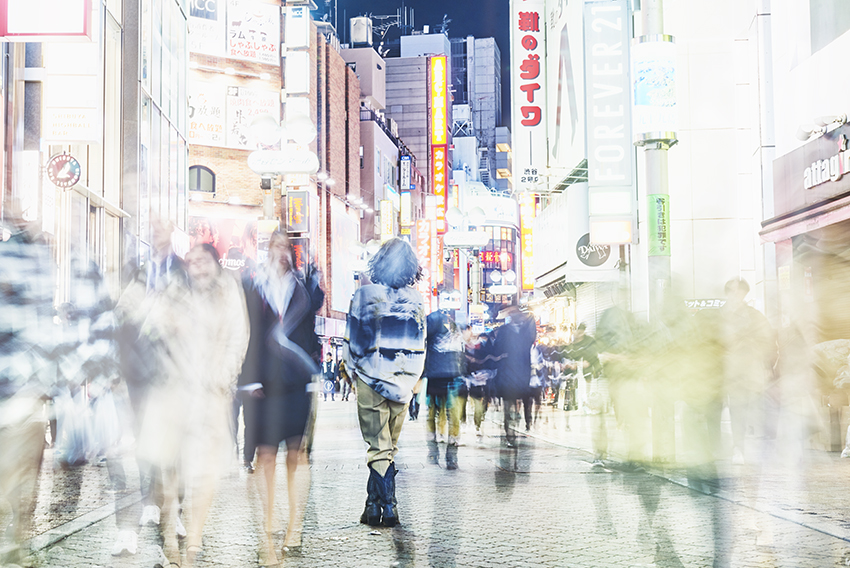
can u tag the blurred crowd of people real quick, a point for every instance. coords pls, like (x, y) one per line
(170, 363)
(166, 365)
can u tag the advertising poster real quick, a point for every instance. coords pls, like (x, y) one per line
(244, 104)
(253, 31)
(654, 77)
(566, 100)
(206, 114)
(236, 241)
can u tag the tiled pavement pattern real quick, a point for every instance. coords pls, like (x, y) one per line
(539, 504)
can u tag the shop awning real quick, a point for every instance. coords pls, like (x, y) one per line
(805, 220)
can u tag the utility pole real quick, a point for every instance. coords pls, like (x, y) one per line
(655, 145)
(655, 78)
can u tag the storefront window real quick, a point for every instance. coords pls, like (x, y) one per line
(144, 169)
(155, 160)
(181, 183)
(175, 175)
(165, 104)
(156, 54)
(112, 113)
(165, 163)
(146, 45)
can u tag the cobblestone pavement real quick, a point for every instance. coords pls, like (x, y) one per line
(538, 504)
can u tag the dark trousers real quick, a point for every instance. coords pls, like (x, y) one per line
(510, 406)
(249, 417)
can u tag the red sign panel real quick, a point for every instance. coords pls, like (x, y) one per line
(439, 182)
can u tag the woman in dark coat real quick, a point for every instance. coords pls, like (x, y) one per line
(278, 373)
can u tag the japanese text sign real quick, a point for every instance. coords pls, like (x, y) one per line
(528, 84)
(439, 101)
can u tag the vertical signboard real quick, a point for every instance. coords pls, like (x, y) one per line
(610, 153)
(527, 213)
(72, 94)
(565, 85)
(438, 185)
(659, 225)
(439, 101)
(404, 173)
(297, 212)
(297, 28)
(528, 86)
(423, 251)
(301, 252)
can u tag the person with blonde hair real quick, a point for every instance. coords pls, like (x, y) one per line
(384, 352)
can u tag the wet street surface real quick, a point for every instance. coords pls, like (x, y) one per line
(540, 503)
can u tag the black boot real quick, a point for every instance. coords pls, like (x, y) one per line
(433, 452)
(372, 513)
(451, 456)
(388, 500)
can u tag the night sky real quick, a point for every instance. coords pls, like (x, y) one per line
(482, 18)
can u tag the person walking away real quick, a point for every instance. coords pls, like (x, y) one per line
(444, 370)
(384, 351)
(481, 370)
(513, 345)
(329, 371)
(220, 339)
(750, 353)
(278, 371)
(344, 381)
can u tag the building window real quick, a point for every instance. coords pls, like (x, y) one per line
(201, 178)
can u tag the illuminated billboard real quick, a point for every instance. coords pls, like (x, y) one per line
(527, 213)
(439, 101)
(439, 181)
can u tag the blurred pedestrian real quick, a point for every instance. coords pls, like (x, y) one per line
(750, 353)
(481, 370)
(444, 370)
(220, 338)
(344, 382)
(384, 352)
(513, 345)
(161, 382)
(26, 339)
(279, 366)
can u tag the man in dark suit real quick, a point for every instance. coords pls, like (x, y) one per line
(329, 369)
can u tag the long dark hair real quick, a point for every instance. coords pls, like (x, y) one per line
(395, 265)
